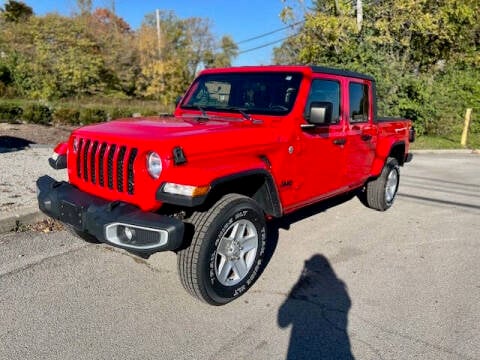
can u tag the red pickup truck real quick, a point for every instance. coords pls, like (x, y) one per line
(244, 145)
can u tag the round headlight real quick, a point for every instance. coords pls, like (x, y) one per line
(154, 165)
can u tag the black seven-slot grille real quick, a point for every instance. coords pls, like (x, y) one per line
(106, 165)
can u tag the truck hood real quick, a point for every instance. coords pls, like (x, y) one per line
(195, 137)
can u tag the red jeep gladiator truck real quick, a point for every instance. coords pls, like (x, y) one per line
(243, 146)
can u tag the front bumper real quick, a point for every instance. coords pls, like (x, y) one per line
(116, 223)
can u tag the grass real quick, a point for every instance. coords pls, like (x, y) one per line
(105, 102)
(445, 142)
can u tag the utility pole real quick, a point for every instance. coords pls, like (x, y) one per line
(359, 15)
(159, 35)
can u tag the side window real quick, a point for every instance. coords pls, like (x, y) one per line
(359, 104)
(325, 91)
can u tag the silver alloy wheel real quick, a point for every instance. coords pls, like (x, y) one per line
(236, 252)
(391, 185)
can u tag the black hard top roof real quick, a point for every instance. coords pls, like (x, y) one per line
(340, 72)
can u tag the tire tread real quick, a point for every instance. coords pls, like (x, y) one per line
(187, 259)
(375, 189)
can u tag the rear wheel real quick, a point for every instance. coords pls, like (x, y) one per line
(380, 193)
(226, 252)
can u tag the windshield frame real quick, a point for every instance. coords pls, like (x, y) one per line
(243, 92)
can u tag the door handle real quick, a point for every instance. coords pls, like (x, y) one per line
(340, 141)
(366, 137)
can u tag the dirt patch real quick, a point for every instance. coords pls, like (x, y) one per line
(47, 225)
(36, 134)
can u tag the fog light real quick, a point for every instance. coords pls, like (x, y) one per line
(135, 236)
(129, 233)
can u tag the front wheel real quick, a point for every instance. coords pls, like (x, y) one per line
(226, 252)
(381, 192)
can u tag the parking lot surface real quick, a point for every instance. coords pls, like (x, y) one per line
(342, 282)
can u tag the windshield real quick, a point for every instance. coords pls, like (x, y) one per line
(259, 93)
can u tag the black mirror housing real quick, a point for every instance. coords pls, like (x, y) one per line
(320, 113)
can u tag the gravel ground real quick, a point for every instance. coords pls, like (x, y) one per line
(31, 134)
(24, 153)
(19, 171)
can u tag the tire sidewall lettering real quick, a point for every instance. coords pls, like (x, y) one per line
(393, 167)
(242, 286)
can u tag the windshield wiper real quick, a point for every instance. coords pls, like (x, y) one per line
(241, 111)
(204, 115)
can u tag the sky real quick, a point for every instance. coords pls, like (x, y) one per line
(241, 19)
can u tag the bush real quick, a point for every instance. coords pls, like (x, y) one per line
(37, 114)
(118, 113)
(150, 112)
(10, 112)
(66, 116)
(92, 115)
(72, 113)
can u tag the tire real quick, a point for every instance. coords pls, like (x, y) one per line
(381, 192)
(227, 249)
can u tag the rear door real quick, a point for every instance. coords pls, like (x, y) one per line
(361, 132)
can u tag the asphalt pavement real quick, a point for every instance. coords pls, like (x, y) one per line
(342, 282)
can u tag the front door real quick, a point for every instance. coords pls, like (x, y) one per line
(321, 158)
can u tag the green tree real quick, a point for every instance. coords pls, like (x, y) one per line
(410, 46)
(52, 57)
(186, 44)
(16, 11)
(116, 42)
(228, 50)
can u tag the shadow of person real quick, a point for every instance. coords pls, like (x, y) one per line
(317, 308)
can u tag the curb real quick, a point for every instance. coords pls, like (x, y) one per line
(24, 216)
(450, 151)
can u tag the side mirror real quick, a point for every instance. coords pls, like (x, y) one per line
(320, 113)
(177, 100)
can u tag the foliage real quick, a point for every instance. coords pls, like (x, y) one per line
(120, 57)
(66, 115)
(450, 141)
(10, 112)
(75, 112)
(423, 53)
(169, 66)
(229, 50)
(53, 57)
(37, 114)
(92, 116)
(96, 53)
(16, 11)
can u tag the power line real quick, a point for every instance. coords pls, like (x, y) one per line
(270, 32)
(267, 44)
